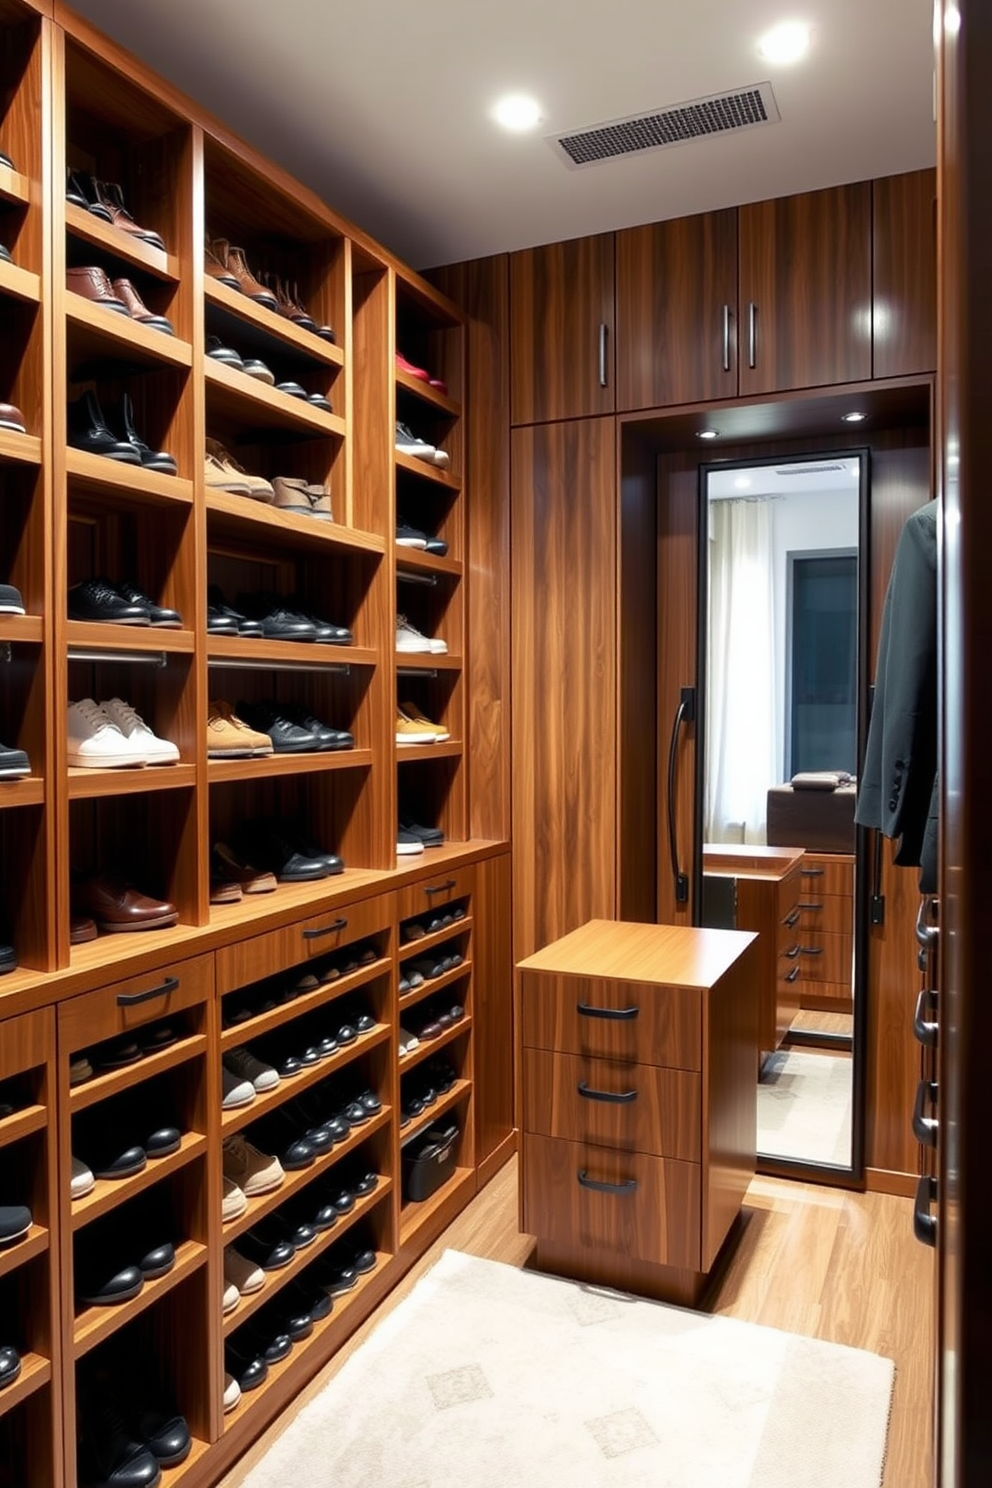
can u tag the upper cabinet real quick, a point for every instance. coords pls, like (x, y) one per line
(561, 330)
(806, 290)
(904, 312)
(677, 311)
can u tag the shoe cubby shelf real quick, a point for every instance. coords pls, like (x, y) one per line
(94, 1325)
(240, 517)
(432, 398)
(19, 283)
(410, 465)
(239, 398)
(22, 629)
(113, 1082)
(413, 561)
(270, 330)
(408, 753)
(108, 1193)
(35, 1243)
(275, 765)
(291, 1086)
(21, 449)
(260, 654)
(409, 950)
(413, 663)
(276, 1280)
(36, 1371)
(89, 637)
(97, 474)
(14, 187)
(418, 1217)
(96, 332)
(86, 784)
(287, 1012)
(425, 1051)
(22, 1123)
(29, 790)
(120, 245)
(427, 989)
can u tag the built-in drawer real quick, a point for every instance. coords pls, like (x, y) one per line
(639, 1022)
(134, 1001)
(826, 873)
(427, 894)
(639, 1107)
(827, 958)
(264, 955)
(627, 1203)
(831, 913)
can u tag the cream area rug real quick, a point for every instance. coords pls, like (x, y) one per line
(487, 1376)
(804, 1106)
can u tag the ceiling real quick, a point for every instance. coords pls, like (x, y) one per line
(382, 108)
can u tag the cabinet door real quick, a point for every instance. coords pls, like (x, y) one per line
(561, 330)
(805, 290)
(904, 253)
(564, 678)
(677, 311)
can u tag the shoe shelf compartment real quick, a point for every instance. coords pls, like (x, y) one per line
(21, 449)
(291, 1086)
(244, 402)
(421, 944)
(430, 985)
(437, 1211)
(251, 328)
(238, 517)
(263, 962)
(111, 243)
(101, 1086)
(306, 655)
(107, 1193)
(96, 333)
(410, 465)
(94, 1325)
(19, 284)
(416, 563)
(14, 187)
(264, 1023)
(97, 474)
(433, 401)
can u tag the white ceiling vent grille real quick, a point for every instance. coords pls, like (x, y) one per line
(791, 470)
(747, 108)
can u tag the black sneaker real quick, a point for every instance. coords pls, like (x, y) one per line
(11, 602)
(99, 599)
(158, 615)
(13, 763)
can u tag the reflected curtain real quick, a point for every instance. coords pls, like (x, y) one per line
(740, 672)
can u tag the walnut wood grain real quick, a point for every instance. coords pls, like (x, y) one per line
(561, 298)
(492, 1006)
(664, 1029)
(637, 706)
(678, 562)
(904, 274)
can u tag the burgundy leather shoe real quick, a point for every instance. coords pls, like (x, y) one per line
(93, 284)
(116, 906)
(11, 417)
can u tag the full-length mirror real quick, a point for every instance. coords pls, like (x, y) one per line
(780, 609)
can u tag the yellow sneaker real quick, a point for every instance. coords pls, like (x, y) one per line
(229, 737)
(411, 711)
(410, 732)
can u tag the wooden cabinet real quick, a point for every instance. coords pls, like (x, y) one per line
(806, 290)
(904, 274)
(677, 324)
(826, 931)
(637, 1056)
(561, 330)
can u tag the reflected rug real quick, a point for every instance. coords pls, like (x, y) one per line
(487, 1376)
(804, 1106)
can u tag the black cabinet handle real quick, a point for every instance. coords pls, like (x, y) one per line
(627, 1187)
(586, 1010)
(449, 883)
(925, 1128)
(791, 953)
(792, 919)
(926, 1028)
(621, 1098)
(812, 872)
(812, 908)
(604, 332)
(811, 950)
(339, 924)
(791, 975)
(925, 1223)
(752, 335)
(684, 713)
(129, 999)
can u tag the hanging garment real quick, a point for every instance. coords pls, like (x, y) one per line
(898, 783)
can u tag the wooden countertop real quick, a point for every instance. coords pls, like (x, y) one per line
(733, 860)
(671, 955)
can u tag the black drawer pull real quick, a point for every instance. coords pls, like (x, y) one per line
(627, 1187)
(793, 918)
(621, 1098)
(129, 999)
(791, 953)
(449, 883)
(812, 908)
(812, 872)
(925, 1223)
(811, 950)
(586, 1010)
(925, 1128)
(339, 924)
(926, 1028)
(791, 975)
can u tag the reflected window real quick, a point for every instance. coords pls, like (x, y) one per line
(823, 645)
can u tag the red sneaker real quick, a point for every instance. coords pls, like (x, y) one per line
(410, 369)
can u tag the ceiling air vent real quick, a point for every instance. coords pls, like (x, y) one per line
(747, 108)
(791, 470)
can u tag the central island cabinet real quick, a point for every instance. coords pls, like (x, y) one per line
(637, 1058)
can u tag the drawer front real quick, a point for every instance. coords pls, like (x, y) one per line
(638, 1107)
(639, 1022)
(26, 1042)
(824, 874)
(134, 1001)
(623, 1202)
(832, 914)
(826, 958)
(426, 894)
(264, 955)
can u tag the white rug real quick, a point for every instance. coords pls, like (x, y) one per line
(804, 1106)
(486, 1376)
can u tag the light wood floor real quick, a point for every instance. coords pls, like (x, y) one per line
(818, 1261)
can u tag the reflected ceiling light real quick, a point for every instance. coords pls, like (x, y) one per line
(707, 434)
(742, 482)
(517, 112)
(855, 417)
(788, 42)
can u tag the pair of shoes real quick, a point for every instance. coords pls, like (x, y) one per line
(410, 639)
(408, 536)
(117, 906)
(250, 1170)
(241, 1278)
(228, 357)
(245, 1076)
(120, 1143)
(414, 727)
(119, 295)
(303, 498)
(112, 735)
(120, 603)
(293, 729)
(230, 866)
(105, 199)
(297, 390)
(421, 375)
(112, 1265)
(223, 473)
(230, 737)
(287, 850)
(89, 430)
(14, 764)
(12, 419)
(229, 265)
(127, 1049)
(127, 1434)
(409, 443)
(429, 1019)
(273, 618)
(429, 836)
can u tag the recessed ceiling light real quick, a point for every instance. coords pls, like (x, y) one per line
(742, 482)
(854, 417)
(517, 112)
(785, 43)
(707, 434)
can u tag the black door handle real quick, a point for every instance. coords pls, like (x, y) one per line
(926, 1028)
(128, 999)
(684, 713)
(925, 1223)
(925, 1128)
(586, 1010)
(339, 924)
(615, 1098)
(627, 1187)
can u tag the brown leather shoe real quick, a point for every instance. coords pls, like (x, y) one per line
(110, 195)
(93, 284)
(235, 263)
(116, 906)
(216, 268)
(81, 929)
(138, 310)
(11, 417)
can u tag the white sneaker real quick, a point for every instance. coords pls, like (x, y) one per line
(232, 1392)
(407, 1041)
(242, 1063)
(408, 443)
(134, 728)
(97, 742)
(409, 638)
(236, 1092)
(243, 1275)
(81, 1180)
(230, 1298)
(234, 1202)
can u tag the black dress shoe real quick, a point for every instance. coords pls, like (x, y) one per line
(218, 605)
(88, 430)
(105, 1283)
(10, 1364)
(328, 634)
(270, 1341)
(307, 844)
(110, 1456)
(292, 388)
(309, 1298)
(81, 191)
(268, 1249)
(163, 1430)
(287, 737)
(287, 1314)
(361, 1258)
(109, 1155)
(328, 738)
(336, 1275)
(158, 615)
(267, 845)
(100, 600)
(278, 621)
(226, 354)
(122, 417)
(245, 1363)
(280, 1135)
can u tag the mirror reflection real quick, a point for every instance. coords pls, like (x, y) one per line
(780, 757)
